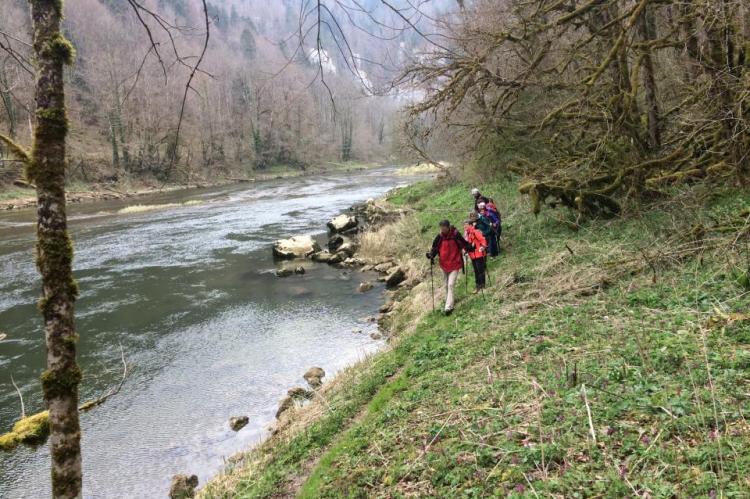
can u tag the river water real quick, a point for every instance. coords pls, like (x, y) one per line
(185, 289)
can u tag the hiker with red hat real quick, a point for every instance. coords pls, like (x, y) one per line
(448, 247)
(479, 255)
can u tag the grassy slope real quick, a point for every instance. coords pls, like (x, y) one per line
(638, 321)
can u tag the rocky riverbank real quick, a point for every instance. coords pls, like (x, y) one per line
(343, 251)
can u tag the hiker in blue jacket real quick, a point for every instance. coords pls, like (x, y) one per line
(488, 223)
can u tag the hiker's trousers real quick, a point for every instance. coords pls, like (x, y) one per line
(480, 271)
(450, 283)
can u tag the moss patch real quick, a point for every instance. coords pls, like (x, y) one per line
(61, 49)
(30, 430)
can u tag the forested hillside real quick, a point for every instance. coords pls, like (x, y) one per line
(257, 101)
(599, 105)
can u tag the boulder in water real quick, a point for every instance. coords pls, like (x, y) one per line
(299, 393)
(383, 267)
(354, 262)
(284, 272)
(342, 223)
(386, 307)
(365, 287)
(299, 270)
(395, 277)
(285, 404)
(183, 486)
(293, 396)
(295, 247)
(348, 248)
(314, 376)
(325, 256)
(239, 422)
(335, 242)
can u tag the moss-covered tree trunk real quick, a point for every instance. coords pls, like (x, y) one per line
(54, 248)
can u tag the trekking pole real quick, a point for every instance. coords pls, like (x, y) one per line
(484, 298)
(487, 271)
(466, 277)
(432, 283)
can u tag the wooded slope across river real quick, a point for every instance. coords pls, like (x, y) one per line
(256, 102)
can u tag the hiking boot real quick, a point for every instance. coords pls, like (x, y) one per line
(448, 312)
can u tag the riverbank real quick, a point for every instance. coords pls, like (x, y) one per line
(20, 195)
(607, 358)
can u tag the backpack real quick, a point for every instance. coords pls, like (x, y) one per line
(494, 216)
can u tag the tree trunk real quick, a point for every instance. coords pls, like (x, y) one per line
(648, 33)
(7, 99)
(54, 248)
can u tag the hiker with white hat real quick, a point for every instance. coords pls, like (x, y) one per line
(478, 198)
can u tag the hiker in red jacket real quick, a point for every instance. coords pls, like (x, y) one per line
(448, 247)
(478, 257)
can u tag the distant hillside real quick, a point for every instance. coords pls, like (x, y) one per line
(257, 102)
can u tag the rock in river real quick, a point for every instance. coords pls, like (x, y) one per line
(365, 287)
(285, 404)
(342, 223)
(325, 256)
(295, 247)
(314, 376)
(395, 277)
(342, 244)
(348, 248)
(299, 393)
(284, 272)
(386, 307)
(239, 422)
(383, 267)
(183, 486)
(335, 241)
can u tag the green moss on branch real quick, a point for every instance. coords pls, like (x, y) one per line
(30, 430)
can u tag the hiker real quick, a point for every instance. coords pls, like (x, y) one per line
(478, 257)
(478, 198)
(487, 223)
(492, 208)
(447, 246)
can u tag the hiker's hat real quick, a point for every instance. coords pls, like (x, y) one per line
(474, 191)
(444, 223)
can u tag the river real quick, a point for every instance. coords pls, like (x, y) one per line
(185, 289)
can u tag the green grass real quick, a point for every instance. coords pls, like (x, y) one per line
(640, 321)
